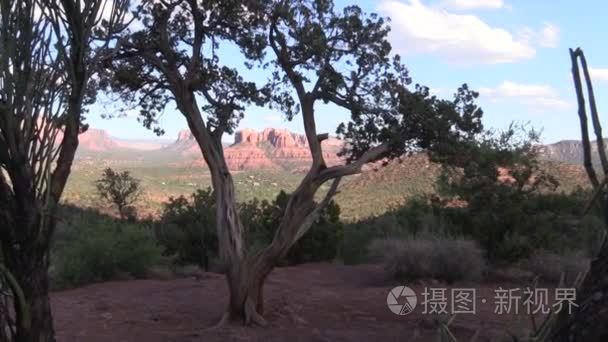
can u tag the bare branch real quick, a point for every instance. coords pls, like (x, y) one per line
(354, 167)
(582, 114)
(601, 149)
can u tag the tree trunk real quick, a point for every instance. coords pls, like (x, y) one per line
(27, 259)
(246, 281)
(587, 323)
(35, 288)
(30, 269)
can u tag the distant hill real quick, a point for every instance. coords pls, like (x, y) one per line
(268, 161)
(94, 140)
(569, 151)
(379, 188)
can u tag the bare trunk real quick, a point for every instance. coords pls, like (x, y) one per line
(28, 262)
(246, 275)
(35, 288)
(247, 288)
(587, 323)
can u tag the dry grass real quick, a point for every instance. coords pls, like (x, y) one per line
(441, 258)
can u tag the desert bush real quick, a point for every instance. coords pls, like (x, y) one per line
(320, 243)
(550, 266)
(94, 250)
(121, 190)
(359, 235)
(420, 258)
(187, 231)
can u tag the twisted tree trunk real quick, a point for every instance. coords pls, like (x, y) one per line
(27, 260)
(34, 283)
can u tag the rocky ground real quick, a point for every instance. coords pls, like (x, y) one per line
(316, 302)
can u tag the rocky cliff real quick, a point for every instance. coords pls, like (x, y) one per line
(271, 148)
(569, 151)
(94, 140)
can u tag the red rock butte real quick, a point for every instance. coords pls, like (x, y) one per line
(271, 148)
(92, 139)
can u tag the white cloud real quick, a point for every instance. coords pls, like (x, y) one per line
(438, 91)
(273, 118)
(599, 74)
(549, 35)
(459, 38)
(536, 96)
(473, 4)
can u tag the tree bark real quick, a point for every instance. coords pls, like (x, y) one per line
(35, 286)
(587, 323)
(28, 262)
(247, 284)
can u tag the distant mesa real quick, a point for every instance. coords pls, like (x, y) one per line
(95, 140)
(272, 148)
(184, 146)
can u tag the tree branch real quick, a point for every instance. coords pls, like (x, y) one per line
(354, 167)
(314, 215)
(601, 149)
(582, 114)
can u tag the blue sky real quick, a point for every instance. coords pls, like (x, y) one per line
(514, 52)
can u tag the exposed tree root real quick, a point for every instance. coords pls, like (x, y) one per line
(252, 316)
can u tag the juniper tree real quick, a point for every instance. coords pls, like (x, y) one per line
(314, 55)
(120, 189)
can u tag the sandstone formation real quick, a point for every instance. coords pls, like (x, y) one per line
(271, 148)
(95, 140)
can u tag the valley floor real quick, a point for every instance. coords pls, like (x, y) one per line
(314, 302)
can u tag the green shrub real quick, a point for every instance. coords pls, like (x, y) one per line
(187, 229)
(320, 243)
(102, 249)
(357, 238)
(422, 258)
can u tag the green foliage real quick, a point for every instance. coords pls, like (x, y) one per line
(320, 243)
(121, 190)
(357, 237)
(91, 248)
(429, 258)
(507, 231)
(187, 229)
(510, 206)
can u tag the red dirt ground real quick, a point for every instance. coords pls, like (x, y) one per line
(315, 302)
